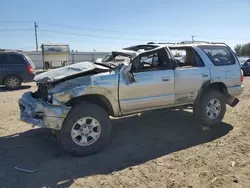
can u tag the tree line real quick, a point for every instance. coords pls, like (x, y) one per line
(242, 49)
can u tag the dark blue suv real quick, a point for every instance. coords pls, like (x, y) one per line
(15, 68)
(245, 65)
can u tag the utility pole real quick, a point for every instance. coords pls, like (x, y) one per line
(36, 26)
(192, 38)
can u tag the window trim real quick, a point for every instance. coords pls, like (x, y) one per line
(198, 55)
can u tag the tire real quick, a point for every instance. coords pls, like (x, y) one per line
(74, 143)
(55, 133)
(13, 82)
(207, 111)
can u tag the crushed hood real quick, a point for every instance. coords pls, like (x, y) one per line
(67, 71)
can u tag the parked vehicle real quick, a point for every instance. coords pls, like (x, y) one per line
(245, 65)
(15, 69)
(77, 100)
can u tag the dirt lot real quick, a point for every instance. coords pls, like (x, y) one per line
(159, 149)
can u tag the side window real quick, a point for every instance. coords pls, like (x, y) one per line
(219, 55)
(156, 60)
(2, 58)
(14, 59)
(187, 57)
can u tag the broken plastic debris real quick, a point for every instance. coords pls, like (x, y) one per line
(214, 179)
(18, 167)
(233, 163)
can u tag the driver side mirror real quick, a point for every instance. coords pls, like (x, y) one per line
(131, 71)
(135, 64)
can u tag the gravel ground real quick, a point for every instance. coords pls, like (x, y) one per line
(156, 149)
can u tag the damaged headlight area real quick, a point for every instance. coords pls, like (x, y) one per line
(40, 113)
(43, 94)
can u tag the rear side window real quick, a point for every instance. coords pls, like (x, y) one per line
(13, 59)
(2, 58)
(219, 55)
(186, 57)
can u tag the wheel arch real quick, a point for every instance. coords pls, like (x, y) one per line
(218, 86)
(9, 75)
(97, 99)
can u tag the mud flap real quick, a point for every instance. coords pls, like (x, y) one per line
(231, 101)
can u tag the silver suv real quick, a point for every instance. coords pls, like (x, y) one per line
(78, 100)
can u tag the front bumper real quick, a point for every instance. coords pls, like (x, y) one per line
(39, 113)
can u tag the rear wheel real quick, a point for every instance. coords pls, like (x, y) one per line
(13, 82)
(86, 130)
(210, 110)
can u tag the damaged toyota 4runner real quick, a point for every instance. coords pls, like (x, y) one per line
(77, 100)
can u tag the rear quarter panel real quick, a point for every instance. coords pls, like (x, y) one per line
(229, 74)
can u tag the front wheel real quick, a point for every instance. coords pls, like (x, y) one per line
(210, 110)
(86, 130)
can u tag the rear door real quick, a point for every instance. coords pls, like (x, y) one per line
(190, 74)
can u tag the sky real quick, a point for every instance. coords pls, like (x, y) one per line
(112, 24)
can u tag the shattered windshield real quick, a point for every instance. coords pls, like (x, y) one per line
(108, 57)
(116, 58)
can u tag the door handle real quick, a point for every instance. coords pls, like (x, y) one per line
(204, 75)
(165, 79)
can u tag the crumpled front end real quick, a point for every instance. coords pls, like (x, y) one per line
(39, 113)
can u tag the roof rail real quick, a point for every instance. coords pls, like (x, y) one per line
(10, 50)
(218, 43)
(190, 42)
(160, 43)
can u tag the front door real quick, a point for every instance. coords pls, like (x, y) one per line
(153, 85)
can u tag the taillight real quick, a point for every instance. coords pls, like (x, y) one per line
(30, 69)
(242, 75)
